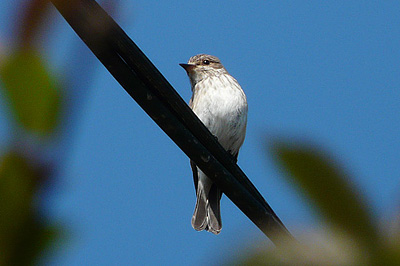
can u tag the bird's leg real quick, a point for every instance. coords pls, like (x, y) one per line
(216, 138)
(233, 156)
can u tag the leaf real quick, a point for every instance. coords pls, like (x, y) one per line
(328, 188)
(23, 233)
(32, 92)
(34, 239)
(314, 248)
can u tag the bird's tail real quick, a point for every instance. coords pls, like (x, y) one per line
(207, 214)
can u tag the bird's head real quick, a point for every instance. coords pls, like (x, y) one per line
(202, 66)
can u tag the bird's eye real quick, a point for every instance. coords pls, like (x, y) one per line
(206, 62)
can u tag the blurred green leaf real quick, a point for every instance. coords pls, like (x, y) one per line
(32, 92)
(23, 236)
(316, 248)
(328, 187)
(34, 239)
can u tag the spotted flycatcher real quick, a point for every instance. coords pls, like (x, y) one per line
(220, 103)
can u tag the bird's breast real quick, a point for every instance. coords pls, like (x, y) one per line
(221, 105)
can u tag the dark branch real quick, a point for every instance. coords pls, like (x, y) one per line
(148, 87)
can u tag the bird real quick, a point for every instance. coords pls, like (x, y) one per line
(220, 103)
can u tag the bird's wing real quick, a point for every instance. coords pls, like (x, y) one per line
(191, 103)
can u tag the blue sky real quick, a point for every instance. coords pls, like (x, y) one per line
(323, 71)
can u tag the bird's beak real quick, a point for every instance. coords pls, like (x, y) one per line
(187, 67)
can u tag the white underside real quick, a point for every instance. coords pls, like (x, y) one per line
(221, 105)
